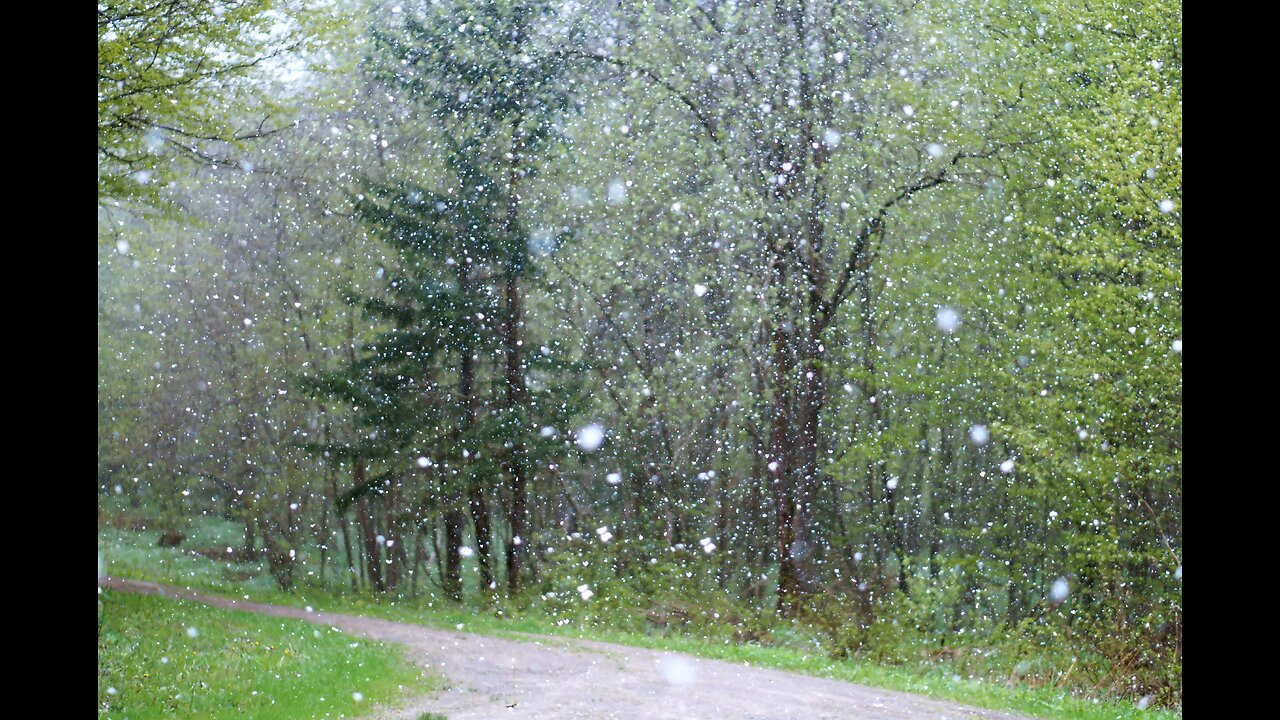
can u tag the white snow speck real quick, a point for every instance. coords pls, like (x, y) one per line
(466, 552)
(1166, 206)
(590, 437)
(1059, 590)
(699, 289)
(947, 319)
(1006, 467)
(677, 670)
(979, 434)
(617, 192)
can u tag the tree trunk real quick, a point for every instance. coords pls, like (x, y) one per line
(479, 506)
(516, 461)
(369, 536)
(782, 456)
(452, 580)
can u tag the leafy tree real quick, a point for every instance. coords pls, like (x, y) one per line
(168, 71)
(1101, 423)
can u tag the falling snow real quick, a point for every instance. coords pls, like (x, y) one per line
(850, 334)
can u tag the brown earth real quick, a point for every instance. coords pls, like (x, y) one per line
(545, 677)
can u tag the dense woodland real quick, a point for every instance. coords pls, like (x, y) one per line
(864, 315)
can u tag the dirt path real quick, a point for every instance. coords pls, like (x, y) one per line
(561, 678)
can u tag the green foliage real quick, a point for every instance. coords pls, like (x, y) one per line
(167, 73)
(1028, 672)
(1100, 422)
(996, 480)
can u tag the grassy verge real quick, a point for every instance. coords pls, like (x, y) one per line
(164, 658)
(134, 554)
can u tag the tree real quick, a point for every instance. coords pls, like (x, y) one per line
(821, 145)
(168, 72)
(494, 84)
(1101, 422)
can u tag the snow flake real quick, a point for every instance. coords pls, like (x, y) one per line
(1059, 591)
(947, 319)
(677, 670)
(590, 437)
(979, 434)
(617, 192)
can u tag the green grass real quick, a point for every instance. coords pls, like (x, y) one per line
(165, 658)
(135, 555)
